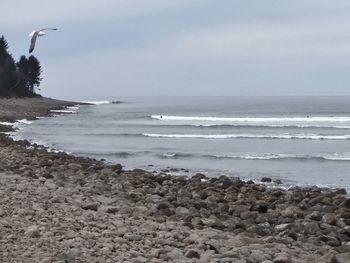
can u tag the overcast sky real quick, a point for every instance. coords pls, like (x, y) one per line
(185, 47)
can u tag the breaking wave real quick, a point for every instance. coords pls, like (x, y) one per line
(261, 156)
(97, 102)
(251, 136)
(63, 111)
(252, 119)
(272, 156)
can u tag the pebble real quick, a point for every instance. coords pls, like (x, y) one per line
(33, 231)
(192, 254)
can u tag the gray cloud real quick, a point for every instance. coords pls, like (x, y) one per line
(192, 47)
(42, 11)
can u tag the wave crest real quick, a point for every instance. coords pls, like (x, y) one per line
(97, 102)
(260, 156)
(253, 119)
(251, 136)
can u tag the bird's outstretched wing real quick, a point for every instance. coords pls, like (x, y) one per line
(36, 33)
(33, 40)
(49, 28)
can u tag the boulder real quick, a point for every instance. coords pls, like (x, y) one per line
(266, 180)
(340, 191)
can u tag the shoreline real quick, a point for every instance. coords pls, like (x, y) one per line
(55, 206)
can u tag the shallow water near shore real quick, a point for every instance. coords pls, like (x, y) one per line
(300, 140)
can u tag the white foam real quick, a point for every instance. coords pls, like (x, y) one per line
(97, 102)
(272, 156)
(68, 109)
(72, 107)
(253, 119)
(7, 123)
(23, 121)
(337, 157)
(169, 155)
(274, 125)
(255, 156)
(251, 136)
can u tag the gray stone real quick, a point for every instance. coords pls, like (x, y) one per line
(192, 238)
(346, 203)
(292, 212)
(69, 256)
(105, 200)
(317, 216)
(329, 219)
(175, 254)
(164, 205)
(333, 241)
(311, 227)
(282, 227)
(140, 259)
(213, 221)
(132, 237)
(249, 215)
(266, 180)
(260, 208)
(33, 231)
(281, 259)
(45, 260)
(50, 184)
(258, 256)
(340, 191)
(183, 192)
(263, 229)
(197, 222)
(108, 209)
(182, 211)
(90, 206)
(192, 254)
(343, 257)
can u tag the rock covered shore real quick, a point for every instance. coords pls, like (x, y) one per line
(55, 207)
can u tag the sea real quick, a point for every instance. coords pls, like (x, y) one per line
(301, 141)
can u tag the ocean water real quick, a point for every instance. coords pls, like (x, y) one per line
(300, 140)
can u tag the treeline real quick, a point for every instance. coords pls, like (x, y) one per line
(18, 79)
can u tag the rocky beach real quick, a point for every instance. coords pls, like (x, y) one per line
(55, 207)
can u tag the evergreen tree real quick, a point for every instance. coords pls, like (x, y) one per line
(3, 45)
(22, 71)
(7, 69)
(34, 73)
(18, 79)
(28, 71)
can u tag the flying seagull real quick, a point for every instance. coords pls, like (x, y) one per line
(34, 36)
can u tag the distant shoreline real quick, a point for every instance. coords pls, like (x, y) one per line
(12, 109)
